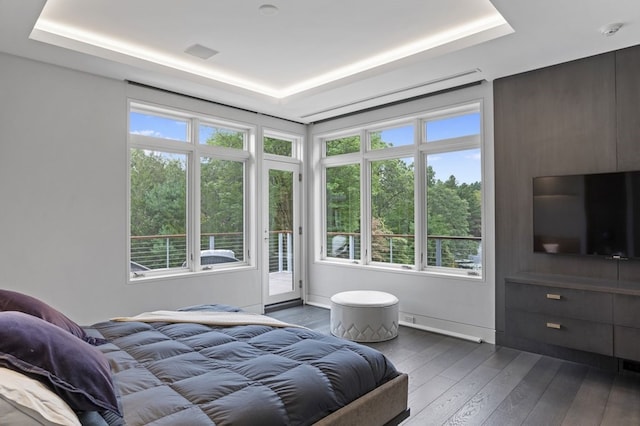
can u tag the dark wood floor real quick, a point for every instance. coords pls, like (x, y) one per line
(454, 382)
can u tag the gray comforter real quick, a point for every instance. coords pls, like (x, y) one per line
(195, 374)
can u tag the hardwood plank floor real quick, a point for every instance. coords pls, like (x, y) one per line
(456, 382)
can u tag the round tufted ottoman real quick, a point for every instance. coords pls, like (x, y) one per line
(364, 316)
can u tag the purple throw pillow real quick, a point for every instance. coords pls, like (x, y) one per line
(14, 301)
(78, 372)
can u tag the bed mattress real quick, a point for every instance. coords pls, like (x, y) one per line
(197, 374)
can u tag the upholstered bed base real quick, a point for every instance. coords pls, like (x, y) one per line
(385, 405)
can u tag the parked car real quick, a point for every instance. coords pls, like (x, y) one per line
(213, 257)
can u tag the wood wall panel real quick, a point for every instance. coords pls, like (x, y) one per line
(556, 120)
(628, 107)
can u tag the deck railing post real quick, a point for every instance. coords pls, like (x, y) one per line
(280, 257)
(289, 252)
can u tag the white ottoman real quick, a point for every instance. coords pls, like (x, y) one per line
(364, 316)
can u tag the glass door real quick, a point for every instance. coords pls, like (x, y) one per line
(281, 233)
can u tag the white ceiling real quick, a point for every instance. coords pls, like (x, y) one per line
(312, 60)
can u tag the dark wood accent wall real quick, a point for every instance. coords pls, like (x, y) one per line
(578, 117)
(628, 108)
(628, 120)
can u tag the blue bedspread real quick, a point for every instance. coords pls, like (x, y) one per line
(194, 374)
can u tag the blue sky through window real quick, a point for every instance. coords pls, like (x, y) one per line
(159, 127)
(464, 165)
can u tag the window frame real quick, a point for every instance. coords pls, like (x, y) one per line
(194, 152)
(419, 150)
(296, 145)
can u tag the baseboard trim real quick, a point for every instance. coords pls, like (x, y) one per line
(282, 305)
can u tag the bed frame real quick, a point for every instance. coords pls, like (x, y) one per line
(385, 405)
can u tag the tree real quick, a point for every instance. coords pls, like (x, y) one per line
(158, 207)
(452, 210)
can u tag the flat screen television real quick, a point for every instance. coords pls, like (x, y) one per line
(590, 215)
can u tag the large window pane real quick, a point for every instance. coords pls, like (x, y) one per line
(281, 250)
(452, 127)
(220, 136)
(343, 211)
(221, 211)
(388, 138)
(158, 127)
(158, 210)
(392, 209)
(454, 210)
(344, 145)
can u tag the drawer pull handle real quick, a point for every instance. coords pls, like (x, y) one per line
(554, 325)
(553, 296)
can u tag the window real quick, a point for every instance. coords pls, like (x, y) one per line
(157, 126)
(408, 195)
(454, 192)
(344, 145)
(392, 211)
(213, 135)
(176, 161)
(343, 211)
(158, 209)
(392, 137)
(278, 146)
(222, 207)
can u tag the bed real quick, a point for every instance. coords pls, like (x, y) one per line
(209, 365)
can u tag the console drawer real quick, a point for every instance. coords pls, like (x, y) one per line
(627, 343)
(627, 311)
(569, 303)
(561, 331)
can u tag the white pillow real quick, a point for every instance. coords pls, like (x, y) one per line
(25, 401)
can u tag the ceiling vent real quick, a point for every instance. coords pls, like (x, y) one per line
(201, 51)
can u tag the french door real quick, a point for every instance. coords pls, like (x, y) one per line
(281, 233)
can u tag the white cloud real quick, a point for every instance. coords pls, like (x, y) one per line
(153, 133)
(475, 156)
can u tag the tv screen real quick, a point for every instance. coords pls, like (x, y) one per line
(593, 214)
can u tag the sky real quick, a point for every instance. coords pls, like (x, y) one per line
(464, 165)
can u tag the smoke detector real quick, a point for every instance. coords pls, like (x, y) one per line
(611, 29)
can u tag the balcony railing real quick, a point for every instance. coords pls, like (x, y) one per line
(442, 250)
(170, 251)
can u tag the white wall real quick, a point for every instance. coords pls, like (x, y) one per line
(63, 217)
(63, 189)
(452, 304)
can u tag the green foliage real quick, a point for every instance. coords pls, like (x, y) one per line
(225, 137)
(343, 145)
(392, 209)
(280, 200)
(159, 208)
(343, 198)
(158, 193)
(221, 196)
(452, 210)
(277, 147)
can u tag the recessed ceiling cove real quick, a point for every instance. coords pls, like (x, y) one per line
(304, 46)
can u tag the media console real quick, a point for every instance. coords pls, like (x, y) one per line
(585, 314)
